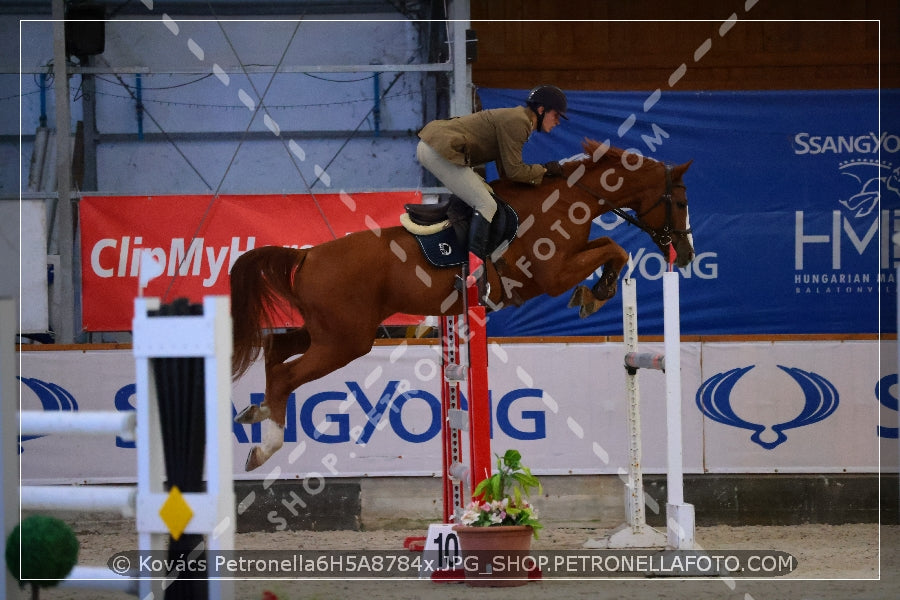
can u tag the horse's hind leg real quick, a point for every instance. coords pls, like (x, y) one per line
(284, 378)
(279, 348)
(282, 346)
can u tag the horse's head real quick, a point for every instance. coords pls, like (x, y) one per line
(655, 192)
(667, 219)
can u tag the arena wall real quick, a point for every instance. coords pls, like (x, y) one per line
(635, 45)
(362, 438)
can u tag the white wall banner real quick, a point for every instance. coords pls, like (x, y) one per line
(30, 216)
(792, 407)
(803, 407)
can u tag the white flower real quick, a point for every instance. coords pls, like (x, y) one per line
(468, 517)
(471, 514)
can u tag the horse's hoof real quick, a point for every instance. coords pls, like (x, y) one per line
(590, 307)
(577, 295)
(252, 414)
(604, 292)
(601, 292)
(253, 461)
(605, 289)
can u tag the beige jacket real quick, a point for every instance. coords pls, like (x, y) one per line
(490, 135)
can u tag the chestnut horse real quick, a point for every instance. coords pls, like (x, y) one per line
(346, 287)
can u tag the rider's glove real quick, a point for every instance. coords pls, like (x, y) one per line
(553, 169)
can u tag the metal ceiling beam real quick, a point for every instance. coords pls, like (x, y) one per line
(367, 68)
(221, 8)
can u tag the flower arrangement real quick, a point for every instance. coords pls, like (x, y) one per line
(503, 496)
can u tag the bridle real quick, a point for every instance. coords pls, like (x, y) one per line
(662, 237)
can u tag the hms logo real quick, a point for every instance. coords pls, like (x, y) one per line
(820, 252)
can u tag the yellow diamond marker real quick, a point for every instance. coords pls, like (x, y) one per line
(176, 513)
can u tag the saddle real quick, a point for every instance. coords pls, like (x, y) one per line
(442, 230)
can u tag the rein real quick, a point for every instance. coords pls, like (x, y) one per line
(662, 237)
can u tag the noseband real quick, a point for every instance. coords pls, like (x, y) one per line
(662, 237)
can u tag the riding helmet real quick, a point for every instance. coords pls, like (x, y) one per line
(548, 96)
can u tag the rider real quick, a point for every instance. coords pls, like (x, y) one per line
(449, 148)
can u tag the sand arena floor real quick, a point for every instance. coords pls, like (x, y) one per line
(843, 562)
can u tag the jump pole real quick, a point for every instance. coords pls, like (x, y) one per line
(213, 512)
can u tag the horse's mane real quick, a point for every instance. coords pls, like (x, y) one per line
(596, 153)
(595, 150)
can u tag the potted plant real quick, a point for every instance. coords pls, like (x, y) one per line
(42, 551)
(496, 528)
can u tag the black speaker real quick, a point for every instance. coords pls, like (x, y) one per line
(85, 29)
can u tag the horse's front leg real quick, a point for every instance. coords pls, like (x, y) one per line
(591, 300)
(599, 252)
(279, 348)
(608, 284)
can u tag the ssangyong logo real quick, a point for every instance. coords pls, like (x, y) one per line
(867, 143)
(714, 401)
(51, 396)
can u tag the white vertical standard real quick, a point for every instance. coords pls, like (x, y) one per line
(635, 533)
(9, 439)
(679, 516)
(207, 336)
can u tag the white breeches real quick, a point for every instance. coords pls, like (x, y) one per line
(459, 179)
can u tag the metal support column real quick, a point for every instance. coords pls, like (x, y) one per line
(461, 89)
(89, 109)
(65, 325)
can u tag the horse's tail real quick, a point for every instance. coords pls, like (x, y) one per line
(261, 282)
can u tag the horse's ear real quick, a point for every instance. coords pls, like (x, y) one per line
(680, 170)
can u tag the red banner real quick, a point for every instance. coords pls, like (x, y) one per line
(197, 238)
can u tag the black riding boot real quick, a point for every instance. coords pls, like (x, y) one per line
(479, 230)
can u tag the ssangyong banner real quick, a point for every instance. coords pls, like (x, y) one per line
(794, 199)
(197, 238)
(785, 407)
